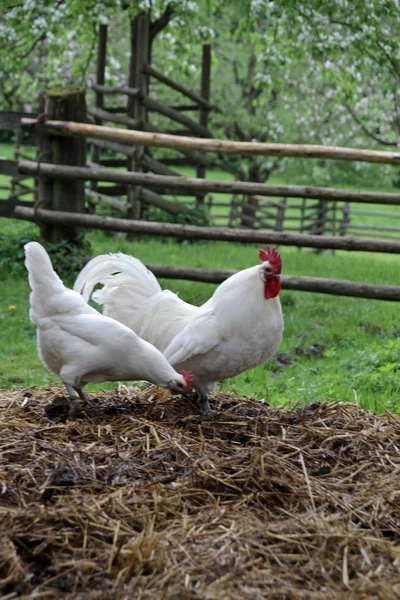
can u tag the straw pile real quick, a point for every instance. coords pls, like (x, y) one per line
(141, 499)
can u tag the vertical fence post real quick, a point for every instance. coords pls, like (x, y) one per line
(60, 194)
(140, 40)
(99, 96)
(205, 93)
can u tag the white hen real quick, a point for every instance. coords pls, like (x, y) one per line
(239, 328)
(80, 345)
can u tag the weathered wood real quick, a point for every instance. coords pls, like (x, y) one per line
(9, 167)
(140, 51)
(109, 200)
(121, 148)
(175, 115)
(121, 89)
(10, 120)
(161, 140)
(112, 162)
(115, 109)
(180, 88)
(158, 167)
(375, 227)
(193, 232)
(191, 185)
(289, 282)
(100, 78)
(205, 93)
(185, 107)
(59, 194)
(104, 115)
(375, 213)
(169, 206)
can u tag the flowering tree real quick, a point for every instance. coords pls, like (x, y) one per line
(313, 71)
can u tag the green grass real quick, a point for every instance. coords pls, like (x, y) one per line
(361, 337)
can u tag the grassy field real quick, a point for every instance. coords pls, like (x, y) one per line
(334, 348)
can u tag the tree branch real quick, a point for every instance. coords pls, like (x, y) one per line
(366, 130)
(160, 23)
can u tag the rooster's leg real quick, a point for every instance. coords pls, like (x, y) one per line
(74, 406)
(81, 395)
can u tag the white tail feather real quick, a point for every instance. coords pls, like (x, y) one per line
(102, 270)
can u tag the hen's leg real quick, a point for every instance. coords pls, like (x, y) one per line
(81, 395)
(204, 405)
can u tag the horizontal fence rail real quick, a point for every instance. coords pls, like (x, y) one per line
(289, 282)
(193, 232)
(71, 128)
(180, 183)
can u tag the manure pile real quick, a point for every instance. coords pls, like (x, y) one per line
(143, 499)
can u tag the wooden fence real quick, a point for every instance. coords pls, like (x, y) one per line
(63, 162)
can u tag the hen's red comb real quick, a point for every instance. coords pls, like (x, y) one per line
(272, 256)
(188, 377)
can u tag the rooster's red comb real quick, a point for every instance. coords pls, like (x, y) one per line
(272, 256)
(188, 377)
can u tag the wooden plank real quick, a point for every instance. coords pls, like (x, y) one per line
(180, 88)
(193, 232)
(173, 184)
(161, 140)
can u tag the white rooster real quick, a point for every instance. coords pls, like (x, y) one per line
(80, 345)
(239, 328)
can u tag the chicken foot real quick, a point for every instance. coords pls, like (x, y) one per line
(74, 406)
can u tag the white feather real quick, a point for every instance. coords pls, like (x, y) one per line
(80, 345)
(236, 330)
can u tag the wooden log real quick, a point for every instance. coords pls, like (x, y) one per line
(121, 148)
(191, 185)
(180, 88)
(121, 89)
(158, 167)
(104, 115)
(112, 162)
(185, 107)
(60, 194)
(375, 227)
(192, 232)
(96, 197)
(175, 115)
(289, 282)
(140, 51)
(205, 93)
(100, 78)
(161, 140)
(115, 109)
(169, 206)
(375, 213)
